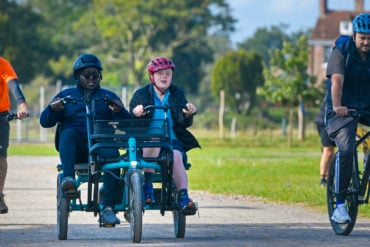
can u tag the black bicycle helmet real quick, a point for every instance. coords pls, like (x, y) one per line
(84, 61)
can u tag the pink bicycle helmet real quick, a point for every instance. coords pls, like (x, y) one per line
(159, 63)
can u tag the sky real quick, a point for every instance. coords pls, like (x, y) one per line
(298, 14)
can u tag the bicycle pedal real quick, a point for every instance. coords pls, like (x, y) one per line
(108, 225)
(72, 193)
(191, 209)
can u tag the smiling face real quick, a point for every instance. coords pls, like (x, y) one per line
(90, 78)
(162, 78)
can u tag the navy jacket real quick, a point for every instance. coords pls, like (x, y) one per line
(73, 116)
(145, 96)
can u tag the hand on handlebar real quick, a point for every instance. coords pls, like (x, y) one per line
(139, 111)
(190, 109)
(57, 104)
(340, 110)
(114, 104)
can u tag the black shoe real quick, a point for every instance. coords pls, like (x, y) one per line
(109, 217)
(3, 206)
(68, 185)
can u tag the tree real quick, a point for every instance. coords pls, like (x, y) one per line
(287, 80)
(270, 38)
(132, 32)
(21, 40)
(238, 73)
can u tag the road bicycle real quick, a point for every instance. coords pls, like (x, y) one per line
(358, 190)
(129, 136)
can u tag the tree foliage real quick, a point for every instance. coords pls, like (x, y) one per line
(22, 41)
(267, 39)
(238, 73)
(287, 80)
(124, 34)
(133, 32)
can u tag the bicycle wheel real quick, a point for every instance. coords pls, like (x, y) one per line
(351, 202)
(135, 207)
(62, 212)
(179, 223)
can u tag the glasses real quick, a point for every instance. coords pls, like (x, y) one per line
(95, 75)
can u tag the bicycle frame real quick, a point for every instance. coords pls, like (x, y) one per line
(131, 135)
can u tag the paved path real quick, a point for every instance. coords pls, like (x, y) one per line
(222, 221)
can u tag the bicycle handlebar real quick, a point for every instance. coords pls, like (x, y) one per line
(69, 99)
(149, 108)
(64, 101)
(358, 113)
(12, 116)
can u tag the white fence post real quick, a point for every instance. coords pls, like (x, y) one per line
(42, 103)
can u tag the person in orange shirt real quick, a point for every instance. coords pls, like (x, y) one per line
(8, 82)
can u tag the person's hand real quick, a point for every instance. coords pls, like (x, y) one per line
(340, 110)
(116, 105)
(190, 109)
(139, 111)
(57, 104)
(23, 111)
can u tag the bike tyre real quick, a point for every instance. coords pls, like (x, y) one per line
(135, 207)
(351, 202)
(62, 212)
(179, 223)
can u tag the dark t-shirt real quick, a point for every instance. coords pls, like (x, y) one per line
(336, 63)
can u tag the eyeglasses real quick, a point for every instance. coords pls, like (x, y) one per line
(95, 75)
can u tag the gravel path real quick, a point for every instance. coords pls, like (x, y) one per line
(222, 220)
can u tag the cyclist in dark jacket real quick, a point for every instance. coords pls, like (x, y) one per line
(161, 92)
(71, 136)
(348, 89)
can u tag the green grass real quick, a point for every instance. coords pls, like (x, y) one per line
(288, 175)
(268, 170)
(34, 149)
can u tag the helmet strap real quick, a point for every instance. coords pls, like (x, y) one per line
(161, 92)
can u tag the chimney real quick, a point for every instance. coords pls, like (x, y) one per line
(359, 6)
(323, 7)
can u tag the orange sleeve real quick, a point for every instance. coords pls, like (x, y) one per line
(7, 72)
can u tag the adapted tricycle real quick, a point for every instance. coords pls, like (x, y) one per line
(130, 137)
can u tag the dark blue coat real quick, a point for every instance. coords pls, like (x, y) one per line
(145, 96)
(73, 116)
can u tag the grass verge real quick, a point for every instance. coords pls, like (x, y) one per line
(273, 172)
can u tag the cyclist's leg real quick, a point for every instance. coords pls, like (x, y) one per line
(345, 139)
(148, 189)
(111, 188)
(72, 149)
(180, 178)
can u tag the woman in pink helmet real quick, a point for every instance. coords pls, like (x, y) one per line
(162, 92)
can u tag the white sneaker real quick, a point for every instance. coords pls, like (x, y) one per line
(341, 215)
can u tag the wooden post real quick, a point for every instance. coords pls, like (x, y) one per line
(221, 115)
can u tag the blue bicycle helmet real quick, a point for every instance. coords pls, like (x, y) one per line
(361, 23)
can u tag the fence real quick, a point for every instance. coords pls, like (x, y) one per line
(29, 130)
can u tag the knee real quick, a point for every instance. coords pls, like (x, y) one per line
(68, 136)
(177, 158)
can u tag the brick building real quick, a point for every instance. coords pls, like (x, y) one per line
(329, 26)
